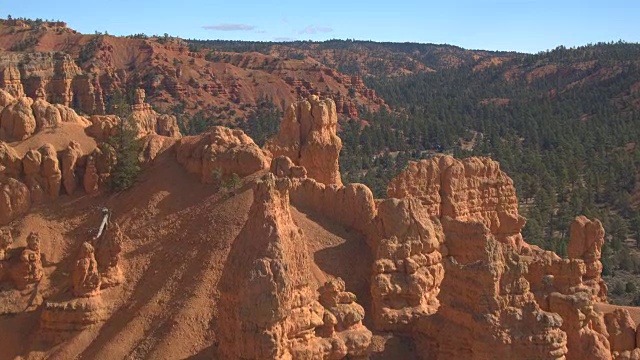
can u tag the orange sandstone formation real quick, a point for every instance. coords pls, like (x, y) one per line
(282, 166)
(22, 117)
(621, 329)
(69, 161)
(450, 270)
(28, 269)
(342, 321)
(469, 189)
(487, 310)
(91, 179)
(218, 154)
(587, 238)
(108, 249)
(268, 308)
(85, 276)
(17, 121)
(93, 269)
(308, 137)
(472, 276)
(580, 322)
(15, 199)
(408, 270)
(149, 122)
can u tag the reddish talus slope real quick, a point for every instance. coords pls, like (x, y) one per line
(225, 250)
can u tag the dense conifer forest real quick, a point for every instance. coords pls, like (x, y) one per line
(568, 139)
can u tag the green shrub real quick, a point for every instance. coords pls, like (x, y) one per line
(233, 182)
(618, 288)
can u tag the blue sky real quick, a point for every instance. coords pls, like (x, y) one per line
(520, 25)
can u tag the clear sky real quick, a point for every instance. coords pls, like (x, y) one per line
(519, 25)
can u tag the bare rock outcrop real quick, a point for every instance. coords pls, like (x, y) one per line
(422, 180)
(5, 99)
(586, 241)
(15, 199)
(85, 277)
(167, 125)
(343, 321)
(50, 170)
(10, 80)
(28, 267)
(96, 267)
(6, 239)
(473, 189)
(220, 153)
(154, 145)
(46, 115)
(578, 321)
(308, 137)
(70, 157)
(58, 319)
(91, 178)
(10, 162)
(17, 121)
(51, 76)
(621, 330)
(267, 308)
(351, 205)
(68, 115)
(22, 117)
(42, 173)
(282, 166)
(108, 249)
(408, 269)
(149, 122)
(31, 163)
(487, 310)
(102, 127)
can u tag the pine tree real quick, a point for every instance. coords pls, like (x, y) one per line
(127, 167)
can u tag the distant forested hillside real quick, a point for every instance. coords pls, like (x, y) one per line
(564, 125)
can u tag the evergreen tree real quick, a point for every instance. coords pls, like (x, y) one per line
(127, 147)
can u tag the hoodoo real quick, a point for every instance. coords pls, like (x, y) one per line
(213, 222)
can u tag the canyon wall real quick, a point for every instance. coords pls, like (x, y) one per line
(51, 76)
